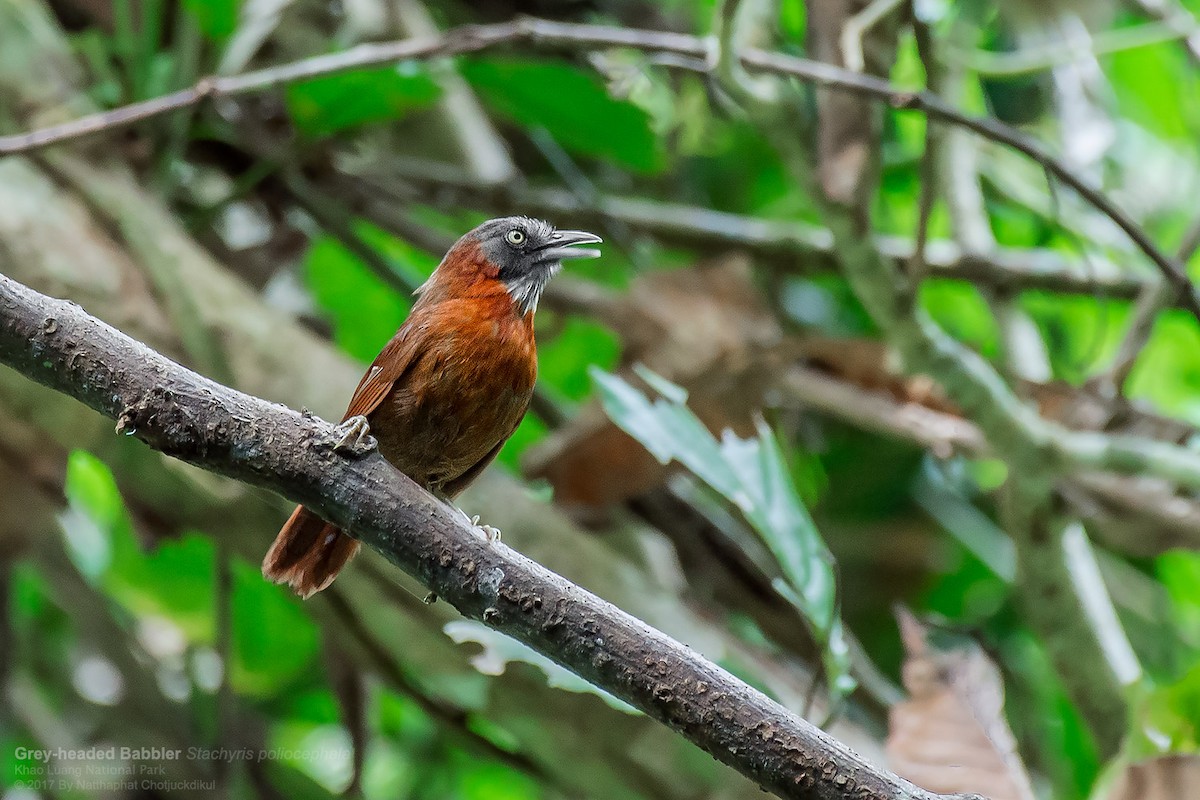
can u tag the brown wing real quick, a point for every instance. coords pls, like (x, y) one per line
(389, 366)
(452, 488)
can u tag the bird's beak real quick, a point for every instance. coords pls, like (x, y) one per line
(562, 245)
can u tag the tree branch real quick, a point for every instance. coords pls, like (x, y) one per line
(1134, 515)
(780, 241)
(192, 418)
(554, 35)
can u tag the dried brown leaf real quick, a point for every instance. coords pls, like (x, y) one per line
(951, 735)
(1173, 777)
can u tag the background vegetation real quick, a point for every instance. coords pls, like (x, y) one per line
(271, 241)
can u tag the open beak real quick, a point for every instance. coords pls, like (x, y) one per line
(563, 245)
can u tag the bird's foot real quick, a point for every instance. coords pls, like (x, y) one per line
(354, 437)
(489, 533)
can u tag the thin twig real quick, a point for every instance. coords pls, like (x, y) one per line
(340, 225)
(555, 35)
(1168, 11)
(791, 244)
(1023, 62)
(1153, 299)
(931, 152)
(856, 28)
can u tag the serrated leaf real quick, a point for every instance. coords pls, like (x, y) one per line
(671, 391)
(669, 431)
(753, 475)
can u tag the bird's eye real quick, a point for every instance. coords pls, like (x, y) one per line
(516, 236)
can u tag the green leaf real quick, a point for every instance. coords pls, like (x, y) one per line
(483, 780)
(793, 21)
(99, 536)
(669, 432)
(1168, 718)
(563, 359)
(753, 475)
(1039, 705)
(672, 392)
(175, 581)
(216, 19)
(400, 718)
(1149, 84)
(322, 752)
(1168, 370)
(961, 310)
(274, 641)
(323, 106)
(364, 310)
(1179, 573)
(571, 105)
(1081, 333)
(530, 431)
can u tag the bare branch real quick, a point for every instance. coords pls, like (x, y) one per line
(1134, 515)
(1154, 298)
(554, 35)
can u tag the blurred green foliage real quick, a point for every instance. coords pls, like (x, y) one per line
(327, 105)
(569, 103)
(217, 19)
(635, 127)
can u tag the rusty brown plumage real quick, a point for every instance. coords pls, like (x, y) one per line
(451, 386)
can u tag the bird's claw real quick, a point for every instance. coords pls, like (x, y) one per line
(354, 437)
(489, 533)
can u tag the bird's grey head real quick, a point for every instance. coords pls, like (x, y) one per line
(529, 252)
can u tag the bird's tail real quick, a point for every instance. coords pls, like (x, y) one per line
(308, 553)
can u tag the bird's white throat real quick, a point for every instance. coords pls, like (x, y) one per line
(527, 289)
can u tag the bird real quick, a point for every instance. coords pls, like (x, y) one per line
(450, 387)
